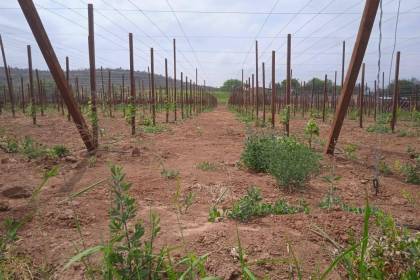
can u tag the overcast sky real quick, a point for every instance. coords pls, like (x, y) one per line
(216, 36)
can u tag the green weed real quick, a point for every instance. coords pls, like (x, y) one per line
(169, 174)
(208, 166)
(251, 206)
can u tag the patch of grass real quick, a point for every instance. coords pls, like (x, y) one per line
(393, 254)
(32, 149)
(169, 174)
(59, 151)
(407, 133)
(244, 117)
(379, 128)
(333, 201)
(158, 128)
(251, 206)
(208, 166)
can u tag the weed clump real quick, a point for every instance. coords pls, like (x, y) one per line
(289, 161)
(251, 206)
(257, 153)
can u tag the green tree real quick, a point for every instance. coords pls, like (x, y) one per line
(406, 87)
(230, 85)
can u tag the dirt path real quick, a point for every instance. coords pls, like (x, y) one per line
(214, 137)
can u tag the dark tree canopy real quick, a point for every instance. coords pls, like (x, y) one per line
(231, 84)
(407, 87)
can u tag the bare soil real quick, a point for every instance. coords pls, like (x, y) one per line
(216, 137)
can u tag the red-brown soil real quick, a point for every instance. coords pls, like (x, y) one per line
(216, 137)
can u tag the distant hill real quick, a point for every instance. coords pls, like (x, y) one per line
(84, 80)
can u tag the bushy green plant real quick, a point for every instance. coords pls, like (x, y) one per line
(251, 206)
(11, 145)
(158, 128)
(292, 163)
(257, 152)
(59, 151)
(379, 128)
(289, 161)
(412, 171)
(32, 149)
(393, 254)
(311, 130)
(350, 151)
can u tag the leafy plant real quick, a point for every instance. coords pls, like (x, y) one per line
(393, 254)
(59, 151)
(125, 255)
(285, 115)
(251, 206)
(32, 149)
(214, 214)
(257, 152)
(289, 161)
(292, 163)
(379, 128)
(158, 128)
(350, 151)
(412, 171)
(311, 130)
(246, 272)
(10, 145)
(207, 166)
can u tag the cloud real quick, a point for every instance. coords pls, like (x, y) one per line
(220, 41)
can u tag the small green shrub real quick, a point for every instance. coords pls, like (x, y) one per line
(154, 128)
(214, 214)
(251, 206)
(11, 145)
(379, 128)
(350, 151)
(289, 161)
(412, 172)
(292, 163)
(32, 149)
(59, 151)
(207, 166)
(257, 152)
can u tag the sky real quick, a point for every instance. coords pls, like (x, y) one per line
(218, 36)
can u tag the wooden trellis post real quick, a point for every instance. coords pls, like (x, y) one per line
(8, 78)
(362, 40)
(91, 41)
(396, 99)
(34, 21)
